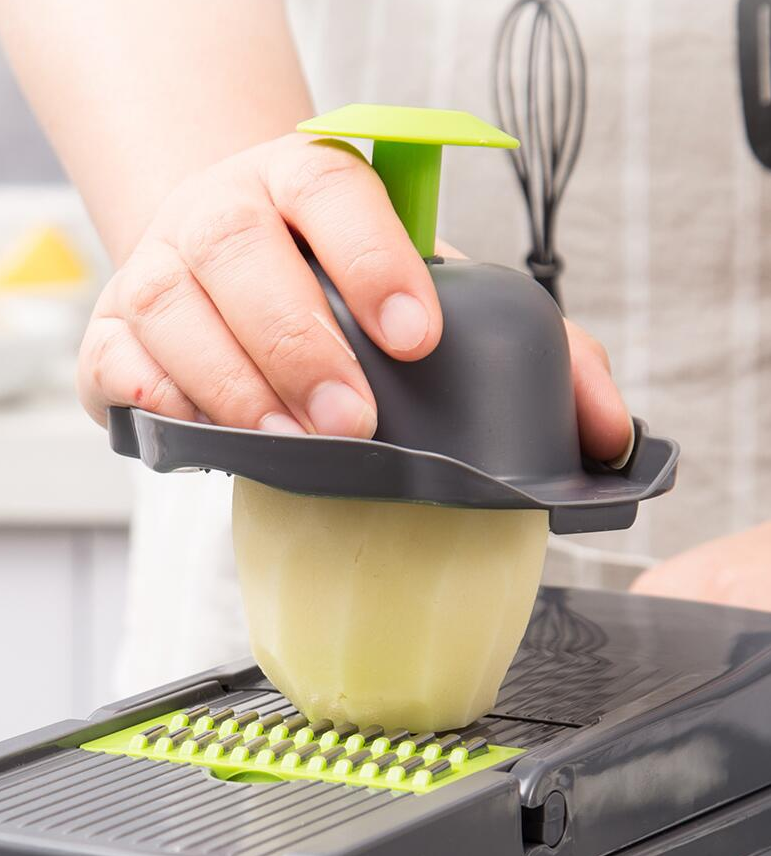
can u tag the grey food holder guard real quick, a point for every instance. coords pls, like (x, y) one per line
(487, 420)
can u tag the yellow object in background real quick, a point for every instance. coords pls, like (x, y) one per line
(44, 256)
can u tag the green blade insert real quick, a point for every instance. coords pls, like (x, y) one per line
(407, 154)
(259, 753)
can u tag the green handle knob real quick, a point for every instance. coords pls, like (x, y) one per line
(407, 154)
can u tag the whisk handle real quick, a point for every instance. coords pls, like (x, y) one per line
(547, 274)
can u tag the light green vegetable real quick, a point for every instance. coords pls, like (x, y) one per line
(390, 613)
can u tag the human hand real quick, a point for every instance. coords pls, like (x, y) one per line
(217, 317)
(733, 571)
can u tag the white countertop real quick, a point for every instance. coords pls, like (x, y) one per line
(57, 468)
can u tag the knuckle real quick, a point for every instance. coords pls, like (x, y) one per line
(369, 261)
(321, 169)
(217, 238)
(231, 385)
(158, 393)
(152, 293)
(585, 342)
(97, 353)
(286, 342)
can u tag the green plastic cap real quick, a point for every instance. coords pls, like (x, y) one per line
(407, 154)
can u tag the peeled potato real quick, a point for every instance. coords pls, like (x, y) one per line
(389, 613)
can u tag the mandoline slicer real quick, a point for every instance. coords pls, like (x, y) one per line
(487, 420)
(626, 726)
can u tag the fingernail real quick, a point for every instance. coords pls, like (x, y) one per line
(339, 411)
(404, 321)
(201, 417)
(619, 462)
(280, 423)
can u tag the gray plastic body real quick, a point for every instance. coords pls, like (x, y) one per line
(496, 393)
(647, 729)
(487, 420)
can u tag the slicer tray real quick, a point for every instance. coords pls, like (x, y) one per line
(623, 704)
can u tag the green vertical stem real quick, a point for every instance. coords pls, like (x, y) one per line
(410, 172)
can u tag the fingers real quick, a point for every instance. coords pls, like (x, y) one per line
(219, 298)
(114, 368)
(218, 315)
(243, 255)
(326, 191)
(604, 422)
(177, 323)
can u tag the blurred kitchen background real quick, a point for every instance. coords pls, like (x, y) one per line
(65, 498)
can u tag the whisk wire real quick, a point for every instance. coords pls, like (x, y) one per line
(540, 97)
(576, 85)
(536, 162)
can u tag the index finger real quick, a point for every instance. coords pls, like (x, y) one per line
(326, 191)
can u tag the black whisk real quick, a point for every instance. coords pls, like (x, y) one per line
(540, 94)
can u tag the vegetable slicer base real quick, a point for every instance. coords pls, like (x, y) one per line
(645, 724)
